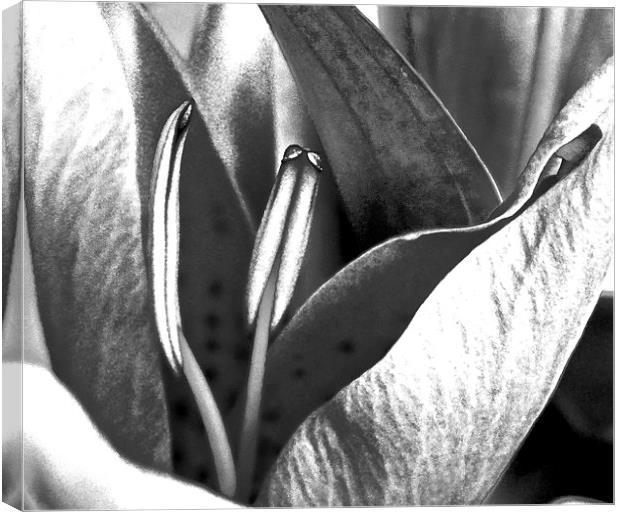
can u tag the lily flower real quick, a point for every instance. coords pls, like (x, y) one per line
(176, 301)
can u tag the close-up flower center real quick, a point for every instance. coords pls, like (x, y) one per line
(301, 255)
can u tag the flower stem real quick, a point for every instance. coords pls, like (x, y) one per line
(246, 459)
(212, 420)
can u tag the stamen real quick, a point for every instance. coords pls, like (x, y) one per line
(165, 230)
(164, 260)
(276, 261)
(246, 461)
(211, 419)
(284, 231)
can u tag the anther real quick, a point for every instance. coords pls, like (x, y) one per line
(283, 232)
(164, 241)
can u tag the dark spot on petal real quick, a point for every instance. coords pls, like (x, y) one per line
(231, 400)
(271, 401)
(299, 373)
(220, 226)
(211, 374)
(212, 320)
(180, 410)
(202, 474)
(242, 353)
(213, 345)
(268, 447)
(177, 457)
(216, 288)
(271, 415)
(346, 347)
(240, 322)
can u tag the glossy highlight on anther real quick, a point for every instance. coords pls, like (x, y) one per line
(315, 159)
(186, 113)
(294, 151)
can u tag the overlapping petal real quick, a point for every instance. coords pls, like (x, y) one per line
(231, 72)
(399, 160)
(502, 72)
(69, 450)
(439, 417)
(88, 156)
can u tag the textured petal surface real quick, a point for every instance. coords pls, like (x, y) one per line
(502, 72)
(439, 417)
(83, 209)
(399, 160)
(354, 319)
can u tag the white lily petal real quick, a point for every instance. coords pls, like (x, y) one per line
(392, 383)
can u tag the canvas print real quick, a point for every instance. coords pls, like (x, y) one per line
(306, 255)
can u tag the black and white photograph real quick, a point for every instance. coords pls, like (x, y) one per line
(306, 255)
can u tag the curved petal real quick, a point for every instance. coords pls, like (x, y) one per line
(505, 84)
(439, 417)
(83, 210)
(354, 319)
(69, 465)
(398, 158)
